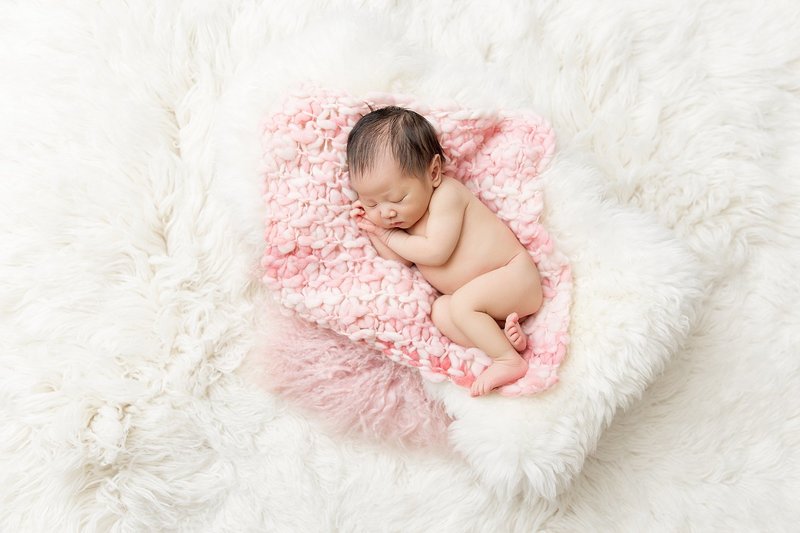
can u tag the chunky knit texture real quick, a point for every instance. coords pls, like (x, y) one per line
(321, 266)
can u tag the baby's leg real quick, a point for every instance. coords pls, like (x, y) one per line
(440, 314)
(515, 287)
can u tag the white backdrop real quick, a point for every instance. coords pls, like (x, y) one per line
(130, 228)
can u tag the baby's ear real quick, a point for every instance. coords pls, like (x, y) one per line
(435, 170)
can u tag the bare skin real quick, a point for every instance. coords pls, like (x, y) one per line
(488, 281)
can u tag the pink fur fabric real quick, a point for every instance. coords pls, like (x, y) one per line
(319, 265)
(355, 390)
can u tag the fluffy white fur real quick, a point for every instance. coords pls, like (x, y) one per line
(130, 229)
(636, 291)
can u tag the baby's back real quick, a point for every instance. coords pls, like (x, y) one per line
(485, 244)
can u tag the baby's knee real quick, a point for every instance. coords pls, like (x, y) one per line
(460, 307)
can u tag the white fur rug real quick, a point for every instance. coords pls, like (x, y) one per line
(130, 233)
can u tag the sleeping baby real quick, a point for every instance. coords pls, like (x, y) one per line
(415, 214)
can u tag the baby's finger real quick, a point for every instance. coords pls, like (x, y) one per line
(365, 225)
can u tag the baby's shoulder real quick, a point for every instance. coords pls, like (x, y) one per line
(449, 197)
(452, 191)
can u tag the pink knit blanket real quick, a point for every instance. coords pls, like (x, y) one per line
(321, 266)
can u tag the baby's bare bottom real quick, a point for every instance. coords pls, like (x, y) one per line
(470, 316)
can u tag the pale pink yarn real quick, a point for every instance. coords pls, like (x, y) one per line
(323, 268)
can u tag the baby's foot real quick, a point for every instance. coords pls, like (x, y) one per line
(499, 373)
(514, 332)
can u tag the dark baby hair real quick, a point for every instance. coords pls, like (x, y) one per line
(410, 136)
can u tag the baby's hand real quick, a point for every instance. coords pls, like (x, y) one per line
(365, 224)
(357, 210)
(359, 213)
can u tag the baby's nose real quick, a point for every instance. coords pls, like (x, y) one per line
(388, 212)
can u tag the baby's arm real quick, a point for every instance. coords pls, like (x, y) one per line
(386, 252)
(442, 231)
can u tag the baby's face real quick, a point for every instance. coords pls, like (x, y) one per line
(390, 198)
